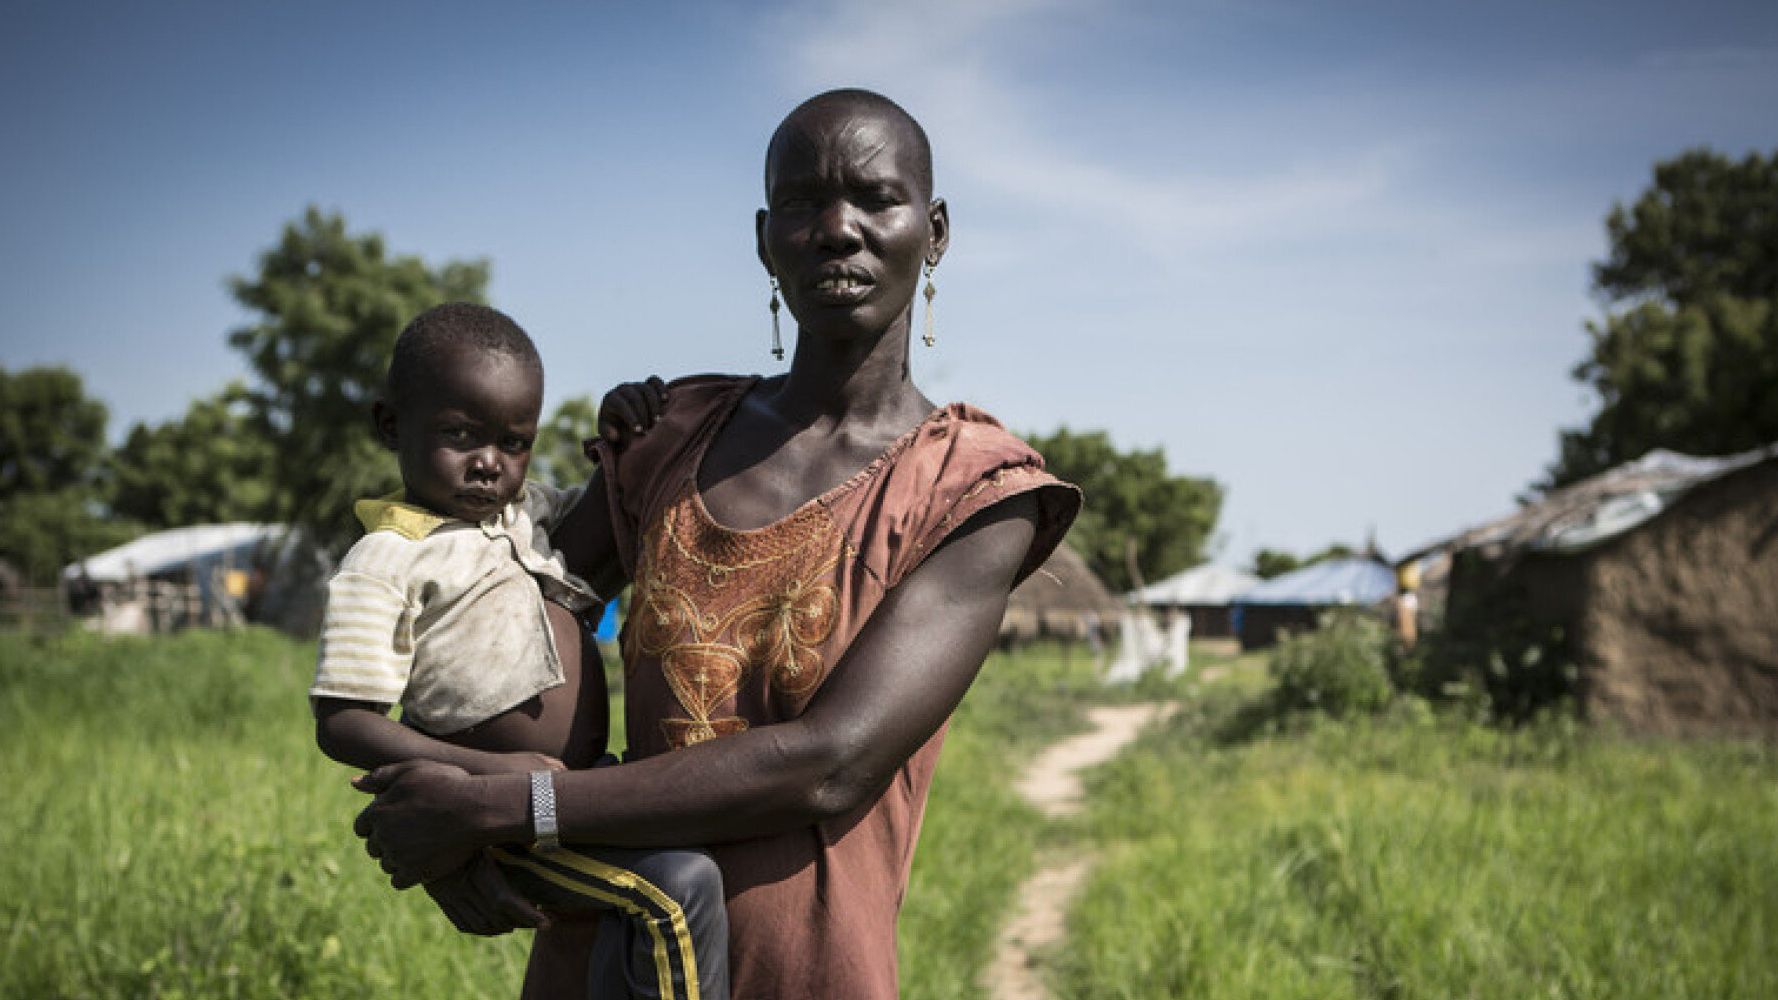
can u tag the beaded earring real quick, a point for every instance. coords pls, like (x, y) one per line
(929, 293)
(777, 342)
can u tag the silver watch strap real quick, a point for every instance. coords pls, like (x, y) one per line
(543, 810)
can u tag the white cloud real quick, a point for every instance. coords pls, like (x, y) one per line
(1328, 256)
(939, 58)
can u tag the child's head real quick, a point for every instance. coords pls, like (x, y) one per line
(460, 409)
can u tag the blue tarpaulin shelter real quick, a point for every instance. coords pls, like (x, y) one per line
(1291, 602)
(1334, 581)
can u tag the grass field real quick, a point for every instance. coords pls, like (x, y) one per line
(1417, 856)
(171, 832)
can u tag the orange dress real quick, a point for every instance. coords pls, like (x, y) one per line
(733, 629)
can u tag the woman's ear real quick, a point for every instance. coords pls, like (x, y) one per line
(938, 216)
(759, 239)
(383, 424)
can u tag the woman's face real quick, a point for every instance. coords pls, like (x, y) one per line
(847, 223)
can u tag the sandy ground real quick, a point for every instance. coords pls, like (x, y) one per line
(1052, 784)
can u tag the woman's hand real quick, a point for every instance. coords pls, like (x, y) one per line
(423, 824)
(478, 900)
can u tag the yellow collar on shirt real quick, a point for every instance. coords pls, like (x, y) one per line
(393, 513)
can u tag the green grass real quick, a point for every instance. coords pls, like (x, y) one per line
(1414, 856)
(172, 832)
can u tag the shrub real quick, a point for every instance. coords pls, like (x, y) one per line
(1513, 675)
(1341, 669)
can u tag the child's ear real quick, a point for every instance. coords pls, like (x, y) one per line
(382, 423)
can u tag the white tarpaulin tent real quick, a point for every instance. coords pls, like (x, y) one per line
(197, 548)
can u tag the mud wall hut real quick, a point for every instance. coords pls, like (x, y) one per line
(1655, 584)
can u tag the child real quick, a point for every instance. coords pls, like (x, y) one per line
(455, 605)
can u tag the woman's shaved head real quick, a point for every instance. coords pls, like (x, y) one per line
(864, 106)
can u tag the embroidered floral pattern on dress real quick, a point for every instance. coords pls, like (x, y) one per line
(714, 605)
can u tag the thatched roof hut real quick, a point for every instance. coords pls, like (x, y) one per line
(1063, 599)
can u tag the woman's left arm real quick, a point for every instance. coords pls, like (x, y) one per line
(893, 688)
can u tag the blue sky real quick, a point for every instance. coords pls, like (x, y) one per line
(1334, 255)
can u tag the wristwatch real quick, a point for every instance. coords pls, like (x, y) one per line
(544, 832)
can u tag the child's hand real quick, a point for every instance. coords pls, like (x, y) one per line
(631, 409)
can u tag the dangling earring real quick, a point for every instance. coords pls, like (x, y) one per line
(929, 293)
(777, 342)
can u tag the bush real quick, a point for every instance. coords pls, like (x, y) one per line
(1516, 674)
(1341, 669)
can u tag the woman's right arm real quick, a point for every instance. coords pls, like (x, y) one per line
(900, 679)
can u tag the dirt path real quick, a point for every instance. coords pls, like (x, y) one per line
(1052, 784)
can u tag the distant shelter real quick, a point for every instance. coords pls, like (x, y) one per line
(1064, 599)
(193, 576)
(1295, 601)
(1655, 583)
(1203, 594)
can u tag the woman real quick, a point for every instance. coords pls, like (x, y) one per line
(821, 562)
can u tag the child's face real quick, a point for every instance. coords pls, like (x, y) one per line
(464, 435)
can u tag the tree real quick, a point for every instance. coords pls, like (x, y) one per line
(52, 473)
(1708, 227)
(330, 306)
(42, 532)
(1135, 510)
(556, 457)
(213, 465)
(1686, 356)
(1268, 563)
(52, 436)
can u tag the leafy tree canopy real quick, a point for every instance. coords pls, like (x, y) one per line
(1686, 355)
(52, 473)
(212, 466)
(1268, 563)
(330, 305)
(556, 457)
(1707, 227)
(1134, 507)
(52, 436)
(42, 532)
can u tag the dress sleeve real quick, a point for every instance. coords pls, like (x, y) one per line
(964, 469)
(642, 475)
(367, 637)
